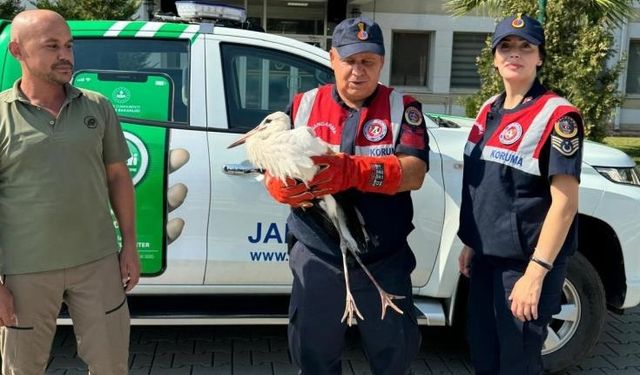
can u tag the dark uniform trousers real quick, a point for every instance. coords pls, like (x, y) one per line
(500, 343)
(316, 335)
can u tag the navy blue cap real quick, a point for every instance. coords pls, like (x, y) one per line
(357, 35)
(523, 26)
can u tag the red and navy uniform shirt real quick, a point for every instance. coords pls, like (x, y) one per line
(388, 123)
(510, 158)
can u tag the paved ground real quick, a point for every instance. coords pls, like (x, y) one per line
(263, 351)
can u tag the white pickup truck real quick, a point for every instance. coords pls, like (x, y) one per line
(212, 240)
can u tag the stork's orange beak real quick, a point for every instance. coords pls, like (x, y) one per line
(243, 138)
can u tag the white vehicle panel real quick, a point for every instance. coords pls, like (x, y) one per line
(247, 227)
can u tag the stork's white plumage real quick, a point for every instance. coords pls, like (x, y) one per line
(286, 153)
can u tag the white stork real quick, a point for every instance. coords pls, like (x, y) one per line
(286, 153)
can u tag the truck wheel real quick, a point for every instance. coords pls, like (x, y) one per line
(575, 330)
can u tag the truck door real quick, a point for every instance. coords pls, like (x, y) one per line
(247, 228)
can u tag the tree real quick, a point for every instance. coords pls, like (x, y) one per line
(91, 9)
(578, 47)
(9, 8)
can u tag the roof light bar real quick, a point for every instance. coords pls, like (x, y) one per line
(209, 9)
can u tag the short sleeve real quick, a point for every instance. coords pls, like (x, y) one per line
(413, 138)
(114, 145)
(565, 153)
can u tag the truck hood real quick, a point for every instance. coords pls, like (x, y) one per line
(599, 155)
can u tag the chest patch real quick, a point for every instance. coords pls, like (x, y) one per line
(510, 134)
(374, 130)
(90, 122)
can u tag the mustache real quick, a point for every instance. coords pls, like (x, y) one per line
(63, 63)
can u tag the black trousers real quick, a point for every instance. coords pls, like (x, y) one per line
(316, 335)
(501, 344)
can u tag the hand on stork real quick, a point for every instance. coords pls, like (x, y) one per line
(339, 172)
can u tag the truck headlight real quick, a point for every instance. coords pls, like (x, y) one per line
(621, 175)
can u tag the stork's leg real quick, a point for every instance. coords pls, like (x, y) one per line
(336, 215)
(350, 305)
(386, 298)
(330, 206)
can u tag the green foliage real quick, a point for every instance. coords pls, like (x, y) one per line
(578, 46)
(91, 9)
(9, 8)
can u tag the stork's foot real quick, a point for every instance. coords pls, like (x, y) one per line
(351, 311)
(387, 301)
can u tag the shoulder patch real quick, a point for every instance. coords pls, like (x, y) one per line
(566, 127)
(413, 116)
(565, 146)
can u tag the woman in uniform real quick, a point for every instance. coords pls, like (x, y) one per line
(519, 203)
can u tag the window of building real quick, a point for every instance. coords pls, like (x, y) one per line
(259, 81)
(466, 49)
(633, 67)
(167, 58)
(410, 58)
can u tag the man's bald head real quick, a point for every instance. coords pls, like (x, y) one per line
(33, 22)
(41, 40)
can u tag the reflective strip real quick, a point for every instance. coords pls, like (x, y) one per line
(148, 30)
(523, 159)
(510, 158)
(189, 32)
(304, 109)
(116, 28)
(534, 134)
(469, 147)
(396, 105)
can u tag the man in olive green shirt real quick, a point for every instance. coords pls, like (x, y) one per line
(62, 161)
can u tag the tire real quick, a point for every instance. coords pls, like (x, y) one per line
(575, 330)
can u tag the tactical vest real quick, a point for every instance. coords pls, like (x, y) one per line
(506, 193)
(386, 217)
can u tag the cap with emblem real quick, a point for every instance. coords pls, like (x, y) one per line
(523, 26)
(357, 35)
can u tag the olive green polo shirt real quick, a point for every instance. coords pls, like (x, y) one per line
(54, 200)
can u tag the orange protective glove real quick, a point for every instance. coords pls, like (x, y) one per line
(339, 172)
(291, 192)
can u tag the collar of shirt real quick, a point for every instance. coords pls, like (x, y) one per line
(344, 105)
(71, 93)
(536, 90)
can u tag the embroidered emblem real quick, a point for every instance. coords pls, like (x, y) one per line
(374, 130)
(510, 134)
(413, 116)
(362, 34)
(324, 124)
(566, 147)
(566, 127)
(90, 122)
(518, 22)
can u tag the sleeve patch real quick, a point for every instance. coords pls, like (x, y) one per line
(566, 127)
(566, 147)
(413, 116)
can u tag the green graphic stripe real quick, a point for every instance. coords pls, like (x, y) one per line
(104, 28)
(131, 29)
(171, 30)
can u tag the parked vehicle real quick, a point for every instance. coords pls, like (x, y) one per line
(208, 230)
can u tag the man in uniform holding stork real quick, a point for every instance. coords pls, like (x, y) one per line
(381, 154)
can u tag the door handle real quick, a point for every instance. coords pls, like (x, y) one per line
(240, 169)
